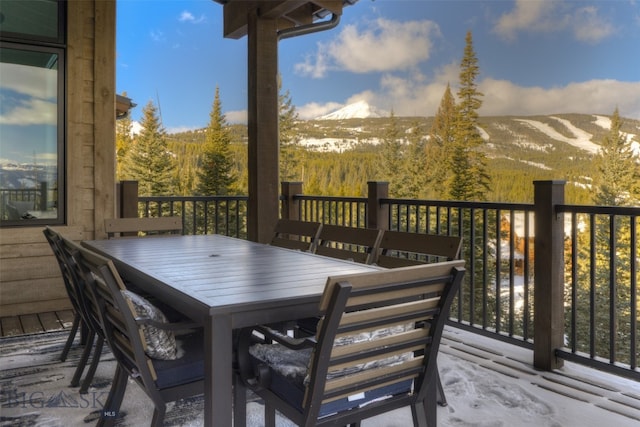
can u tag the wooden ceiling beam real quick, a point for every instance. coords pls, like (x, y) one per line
(289, 13)
(278, 9)
(235, 18)
(302, 15)
(333, 6)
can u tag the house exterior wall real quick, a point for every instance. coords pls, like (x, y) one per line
(30, 280)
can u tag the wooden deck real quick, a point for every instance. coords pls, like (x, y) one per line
(36, 323)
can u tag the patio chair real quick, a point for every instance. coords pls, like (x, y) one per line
(82, 321)
(375, 350)
(165, 359)
(118, 227)
(400, 249)
(54, 240)
(12, 212)
(295, 234)
(351, 243)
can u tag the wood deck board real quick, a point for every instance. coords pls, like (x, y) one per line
(31, 324)
(50, 321)
(36, 323)
(11, 326)
(66, 318)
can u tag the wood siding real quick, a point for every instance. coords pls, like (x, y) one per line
(30, 280)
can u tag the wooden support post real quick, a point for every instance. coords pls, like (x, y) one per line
(378, 213)
(290, 206)
(548, 270)
(104, 118)
(262, 120)
(128, 199)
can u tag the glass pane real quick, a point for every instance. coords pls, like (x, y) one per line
(33, 19)
(29, 134)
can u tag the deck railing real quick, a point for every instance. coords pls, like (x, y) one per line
(560, 279)
(602, 276)
(201, 215)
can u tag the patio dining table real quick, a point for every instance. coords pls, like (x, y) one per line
(224, 283)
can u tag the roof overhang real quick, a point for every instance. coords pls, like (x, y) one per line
(123, 105)
(289, 13)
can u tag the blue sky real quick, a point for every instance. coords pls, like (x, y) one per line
(535, 57)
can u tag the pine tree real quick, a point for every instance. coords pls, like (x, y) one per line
(392, 157)
(469, 178)
(438, 147)
(287, 134)
(124, 140)
(618, 173)
(415, 184)
(215, 172)
(149, 161)
(615, 184)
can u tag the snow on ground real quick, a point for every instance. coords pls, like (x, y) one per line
(487, 383)
(581, 138)
(605, 123)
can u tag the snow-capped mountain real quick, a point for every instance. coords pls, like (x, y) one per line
(357, 110)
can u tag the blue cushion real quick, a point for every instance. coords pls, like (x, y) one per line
(289, 373)
(187, 368)
(293, 392)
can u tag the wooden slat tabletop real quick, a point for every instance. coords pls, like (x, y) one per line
(217, 272)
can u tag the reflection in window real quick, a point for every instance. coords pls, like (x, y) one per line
(29, 124)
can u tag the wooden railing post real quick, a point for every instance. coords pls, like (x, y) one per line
(548, 270)
(127, 200)
(378, 213)
(290, 207)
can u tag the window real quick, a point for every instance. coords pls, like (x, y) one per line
(32, 109)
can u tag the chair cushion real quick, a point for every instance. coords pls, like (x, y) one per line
(188, 368)
(289, 376)
(161, 344)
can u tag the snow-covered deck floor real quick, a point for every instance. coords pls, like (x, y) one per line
(491, 383)
(488, 383)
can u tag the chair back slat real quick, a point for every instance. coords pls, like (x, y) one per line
(369, 379)
(68, 276)
(117, 227)
(380, 327)
(294, 234)
(400, 249)
(356, 244)
(123, 334)
(88, 304)
(400, 282)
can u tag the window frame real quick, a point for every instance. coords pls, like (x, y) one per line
(10, 40)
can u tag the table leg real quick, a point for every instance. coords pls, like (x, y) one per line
(218, 370)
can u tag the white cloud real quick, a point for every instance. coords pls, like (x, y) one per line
(187, 16)
(36, 82)
(314, 109)
(585, 24)
(31, 112)
(29, 95)
(590, 97)
(239, 116)
(589, 27)
(157, 35)
(406, 97)
(384, 45)
(526, 16)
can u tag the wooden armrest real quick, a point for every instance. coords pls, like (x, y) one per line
(284, 339)
(257, 376)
